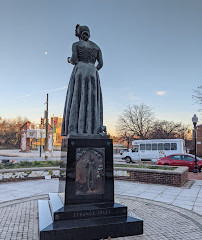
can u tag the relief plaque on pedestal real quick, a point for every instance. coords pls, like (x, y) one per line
(90, 171)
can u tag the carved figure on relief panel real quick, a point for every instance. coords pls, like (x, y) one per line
(91, 166)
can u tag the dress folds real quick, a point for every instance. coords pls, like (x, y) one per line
(83, 111)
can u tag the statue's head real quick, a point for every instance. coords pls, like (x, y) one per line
(82, 32)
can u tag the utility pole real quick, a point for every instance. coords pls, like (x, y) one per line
(46, 139)
(41, 133)
(40, 136)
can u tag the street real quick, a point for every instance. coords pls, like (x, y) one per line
(17, 156)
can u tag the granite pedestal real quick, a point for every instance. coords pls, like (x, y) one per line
(84, 208)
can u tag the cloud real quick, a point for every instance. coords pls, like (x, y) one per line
(56, 89)
(24, 96)
(45, 91)
(160, 93)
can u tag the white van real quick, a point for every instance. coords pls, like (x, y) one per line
(152, 150)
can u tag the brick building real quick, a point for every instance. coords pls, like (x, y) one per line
(56, 123)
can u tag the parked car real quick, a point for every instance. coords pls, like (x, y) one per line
(123, 151)
(187, 160)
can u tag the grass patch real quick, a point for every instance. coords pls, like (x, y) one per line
(27, 164)
(145, 166)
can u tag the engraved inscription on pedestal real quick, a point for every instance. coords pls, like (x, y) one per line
(90, 170)
(90, 213)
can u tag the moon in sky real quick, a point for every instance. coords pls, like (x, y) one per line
(46, 53)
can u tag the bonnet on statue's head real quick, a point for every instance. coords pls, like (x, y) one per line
(82, 32)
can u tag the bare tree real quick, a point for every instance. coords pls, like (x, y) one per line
(124, 136)
(136, 121)
(10, 132)
(197, 95)
(163, 129)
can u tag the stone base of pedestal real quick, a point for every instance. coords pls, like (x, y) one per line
(85, 221)
(84, 208)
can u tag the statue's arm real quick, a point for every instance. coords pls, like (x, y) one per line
(100, 60)
(74, 59)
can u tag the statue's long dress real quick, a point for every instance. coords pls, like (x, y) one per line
(83, 111)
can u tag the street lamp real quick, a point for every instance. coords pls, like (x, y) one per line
(195, 120)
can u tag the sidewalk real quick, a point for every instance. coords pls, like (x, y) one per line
(184, 197)
(161, 207)
(195, 176)
(188, 198)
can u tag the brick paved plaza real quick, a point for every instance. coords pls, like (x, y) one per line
(19, 217)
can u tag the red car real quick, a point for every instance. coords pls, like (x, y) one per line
(187, 160)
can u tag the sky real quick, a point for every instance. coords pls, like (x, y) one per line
(151, 49)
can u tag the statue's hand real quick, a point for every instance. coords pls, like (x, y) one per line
(69, 59)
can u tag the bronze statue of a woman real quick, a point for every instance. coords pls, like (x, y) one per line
(83, 111)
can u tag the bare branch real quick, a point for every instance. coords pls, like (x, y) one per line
(197, 95)
(136, 120)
